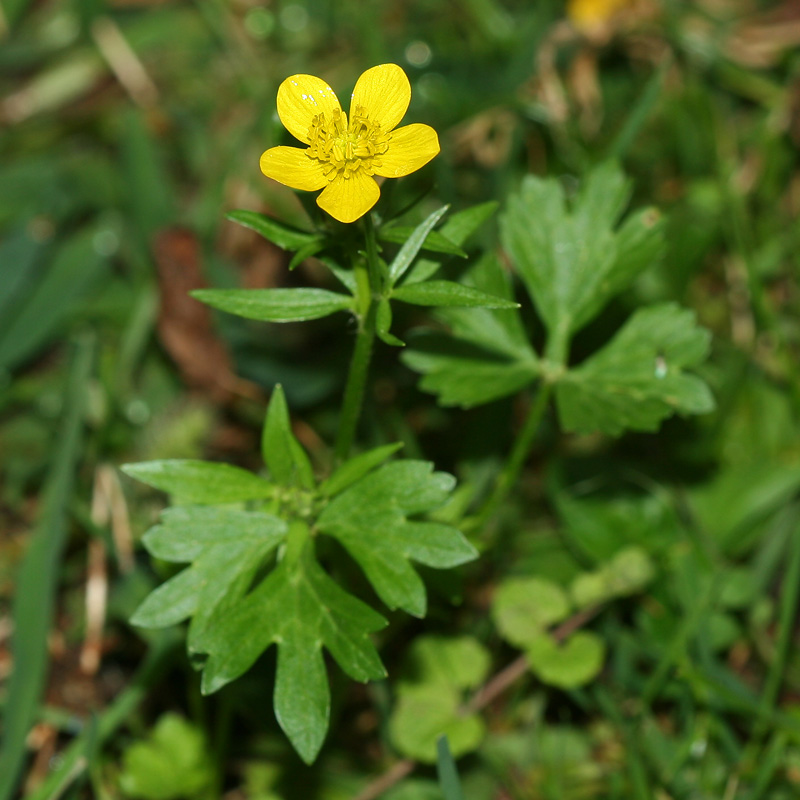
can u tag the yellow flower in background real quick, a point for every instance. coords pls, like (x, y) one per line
(593, 14)
(342, 155)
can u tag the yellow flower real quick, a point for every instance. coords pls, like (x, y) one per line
(593, 14)
(341, 157)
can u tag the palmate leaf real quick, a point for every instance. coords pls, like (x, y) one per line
(299, 608)
(371, 520)
(253, 581)
(572, 261)
(638, 378)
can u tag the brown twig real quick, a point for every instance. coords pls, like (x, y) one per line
(483, 697)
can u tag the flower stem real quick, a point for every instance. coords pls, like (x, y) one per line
(522, 445)
(368, 285)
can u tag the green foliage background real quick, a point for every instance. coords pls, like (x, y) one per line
(650, 578)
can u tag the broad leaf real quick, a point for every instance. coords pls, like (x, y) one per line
(275, 305)
(172, 763)
(449, 293)
(203, 482)
(285, 236)
(285, 458)
(567, 665)
(424, 713)
(371, 520)
(572, 261)
(638, 378)
(459, 662)
(524, 607)
(299, 608)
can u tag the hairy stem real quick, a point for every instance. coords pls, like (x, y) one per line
(522, 445)
(368, 285)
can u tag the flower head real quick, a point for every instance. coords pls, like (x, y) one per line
(342, 155)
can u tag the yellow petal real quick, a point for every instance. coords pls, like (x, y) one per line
(300, 99)
(384, 93)
(410, 148)
(292, 167)
(347, 199)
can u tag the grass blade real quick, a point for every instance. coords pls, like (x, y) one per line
(447, 771)
(38, 578)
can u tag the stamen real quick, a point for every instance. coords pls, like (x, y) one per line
(344, 149)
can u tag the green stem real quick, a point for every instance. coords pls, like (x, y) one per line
(519, 453)
(368, 285)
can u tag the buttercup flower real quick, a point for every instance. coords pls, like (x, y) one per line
(342, 156)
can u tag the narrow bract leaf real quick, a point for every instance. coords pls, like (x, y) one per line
(356, 468)
(275, 305)
(457, 228)
(435, 242)
(449, 293)
(638, 378)
(286, 460)
(383, 324)
(408, 252)
(370, 520)
(203, 482)
(306, 251)
(285, 236)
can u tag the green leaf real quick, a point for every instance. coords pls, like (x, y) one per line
(423, 714)
(38, 577)
(638, 378)
(457, 228)
(489, 357)
(383, 322)
(275, 305)
(356, 468)
(172, 763)
(204, 482)
(434, 242)
(408, 252)
(459, 662)
(370, 520)
(464, 374)
(306, 251)
(285, 236)
(449, 293)
(447, 771)
(572, 261)
(628, 572)
(286, 460)
(299, 608)
(569, 665)
(225, 548)
(524, 607)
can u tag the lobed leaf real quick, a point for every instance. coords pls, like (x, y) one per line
(370, 519)
(299, 608)
(572, 261)
(203, 482)
(638, 378)
(286, 460)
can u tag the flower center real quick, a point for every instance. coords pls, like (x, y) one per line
(344, 150)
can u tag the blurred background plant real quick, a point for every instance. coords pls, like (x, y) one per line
(129, 128)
